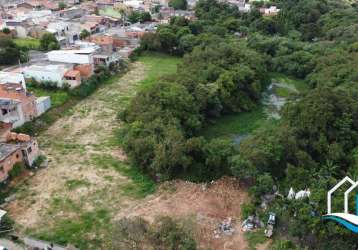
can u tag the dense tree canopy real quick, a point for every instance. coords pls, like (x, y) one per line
(9, 52)
(48, 41)
(178, 4)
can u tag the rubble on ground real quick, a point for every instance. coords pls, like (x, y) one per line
(225, 227)
(252, 222)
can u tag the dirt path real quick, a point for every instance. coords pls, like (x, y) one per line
(70, 143)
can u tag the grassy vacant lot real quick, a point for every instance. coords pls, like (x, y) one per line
(29, 43)
(229, 125)
(159, 65)
(58, 97)
(89, 180)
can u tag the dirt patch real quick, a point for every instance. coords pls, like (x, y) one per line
(264, 246)
(207, 205)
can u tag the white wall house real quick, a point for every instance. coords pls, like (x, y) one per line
(11, 112)
(53, 73)
(83, 56)
(12, 77)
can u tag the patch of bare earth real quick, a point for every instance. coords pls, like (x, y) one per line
(69, 144)
(264, 246)
(205, 205)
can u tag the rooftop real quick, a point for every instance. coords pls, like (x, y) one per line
(72, 73)
(7, 149)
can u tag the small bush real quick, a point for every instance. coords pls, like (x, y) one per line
(16, 170)
(164, 233)
(6, 224)
(39, 160)
(247, 209)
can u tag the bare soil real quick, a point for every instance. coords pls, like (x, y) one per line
(205, 205)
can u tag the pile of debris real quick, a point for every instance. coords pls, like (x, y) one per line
(252, 222)
(225, 227)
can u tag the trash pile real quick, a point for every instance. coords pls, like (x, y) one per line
(225, 227)
(252, 222)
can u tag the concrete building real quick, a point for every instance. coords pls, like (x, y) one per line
(106, 58)
(17, 106)
(73, 78)
(12, 77)
(11, 112)
(52, 73)
(82, 56)
(58, 73)
(15, 148)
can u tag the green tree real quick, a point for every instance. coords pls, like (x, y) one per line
(178, 4)
(84, 34)
(6, 31)
(61, 5)
(9, 52)
(145, 17)
(48, 41)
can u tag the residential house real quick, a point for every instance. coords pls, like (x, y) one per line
(73, 78)
(11, 112)
(72, 13)
(187, 14)
(59, 73)
(102, 4)
(21, 26)
(86, 70)
(165, 13)
(80, 56)
(47, 72)
(89, 6)
(125, 52)
(60, 30)
(12, 77)
(15, 148)
(105, 42)
(31, 5)
(17, 105)
(106, 58)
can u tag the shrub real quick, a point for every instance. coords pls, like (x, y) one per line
(39, 160)
(16, 170)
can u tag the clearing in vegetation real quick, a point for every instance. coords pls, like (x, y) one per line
(233, 126)
(88, 179)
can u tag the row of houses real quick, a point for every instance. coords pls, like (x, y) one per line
(110, 41)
